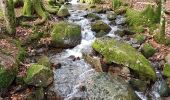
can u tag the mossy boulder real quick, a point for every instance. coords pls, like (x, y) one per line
(148, 50)
(63, 11)
(122, 53)
(8, 70)
(111, 15)
(65, 34)
(139, 38)
(100, 26)
(166, 70)
(119, 32)
(92, 16)
(39, 76)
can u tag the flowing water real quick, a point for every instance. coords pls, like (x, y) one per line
(70, 77)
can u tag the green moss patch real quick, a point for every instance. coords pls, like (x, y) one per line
(122, 53)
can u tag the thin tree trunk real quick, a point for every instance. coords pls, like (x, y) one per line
(162, 19)
(9, 15)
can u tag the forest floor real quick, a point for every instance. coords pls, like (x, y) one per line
(162, 50)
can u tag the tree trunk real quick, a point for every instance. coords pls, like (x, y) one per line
(9, 15)
(162, 19)
(27, 9)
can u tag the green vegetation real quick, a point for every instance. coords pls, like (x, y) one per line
(116, 4)
(166, 70)
(122, 53)
(148, 50)
(140, 38)
(39, 75)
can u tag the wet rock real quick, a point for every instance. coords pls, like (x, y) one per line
(147, 50)
(63, 12)
(167, 58)
(111, 15)
(166, 70)
(139, 38)
(94, 61)
(66, 35)
(138, 85)
(100, 26)
(39, 75)
(92, 16)
(101, 86)
(44, 60)
(119, 32)
(120, 20)
(163, 89)
(122, 53)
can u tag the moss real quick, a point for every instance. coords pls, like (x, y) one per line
(65, 30)
(116, 4)
(100, 26)
(148, 50)
(166, 71)
(122, 53)
(37, 4)
(140, 38)
(93, 16)
(63, 12)
(39, 75)
(138, 85)
(7, 76)
(44, 60)
(28, 8)
(21, 52)
(138, 20)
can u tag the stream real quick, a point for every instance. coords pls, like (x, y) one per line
(74, 71)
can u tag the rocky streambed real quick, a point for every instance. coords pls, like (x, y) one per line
(106, 68)
(99, 58)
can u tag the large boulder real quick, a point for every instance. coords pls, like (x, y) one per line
(122, 53)
(39, 76)
(63, 11)
(100, 26)
(65, 35)
(101, 86)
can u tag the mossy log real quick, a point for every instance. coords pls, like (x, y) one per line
(9, 15)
